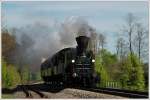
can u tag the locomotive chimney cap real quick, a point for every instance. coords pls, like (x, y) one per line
(82, 36)
(82, 41)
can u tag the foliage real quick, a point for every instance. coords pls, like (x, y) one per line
(109, 62)
(38, 75)
(35, 76)
(108, 57)
(100, 69)
(25, 75)
(132, 73)
(8, 45)
(106, 66)
(128, 72)
(16, 54)
(4, 73)
(102, 40)
(10, 76)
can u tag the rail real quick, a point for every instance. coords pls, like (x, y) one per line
(118, 92)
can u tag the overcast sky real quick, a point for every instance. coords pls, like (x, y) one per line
(105, 17)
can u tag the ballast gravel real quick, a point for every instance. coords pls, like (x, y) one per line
(70, 93)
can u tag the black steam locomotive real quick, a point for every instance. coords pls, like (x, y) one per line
(71, 66)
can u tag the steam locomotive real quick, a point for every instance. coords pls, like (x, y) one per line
(71, 66)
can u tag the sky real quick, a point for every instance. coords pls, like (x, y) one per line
(105, 17)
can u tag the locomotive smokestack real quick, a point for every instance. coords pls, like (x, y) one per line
(82, 42)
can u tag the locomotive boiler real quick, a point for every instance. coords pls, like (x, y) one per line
(71, 66)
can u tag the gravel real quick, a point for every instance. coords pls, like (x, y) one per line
(87, 94)
(68, 93)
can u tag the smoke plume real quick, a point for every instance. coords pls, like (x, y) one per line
(41, 40)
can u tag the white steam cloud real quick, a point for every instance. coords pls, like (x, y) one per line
(43, 40)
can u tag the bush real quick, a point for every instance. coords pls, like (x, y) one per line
(100, 69)
(132, 73)
(10, 76)
(25, 75)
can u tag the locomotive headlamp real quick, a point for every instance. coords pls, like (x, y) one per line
(74, 75)
(73, 61)
(93, 60)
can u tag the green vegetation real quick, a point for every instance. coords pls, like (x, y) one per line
(126, 74)
(132, 76)
(15, 69)
(25, 74)
(100, 69)
(10, 76)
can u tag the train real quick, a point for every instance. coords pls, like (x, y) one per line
(71, 66)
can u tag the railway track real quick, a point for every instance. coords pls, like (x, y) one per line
(118, 92)
(43, 90)
(27, 90)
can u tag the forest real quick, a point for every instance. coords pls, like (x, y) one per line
(127, 68)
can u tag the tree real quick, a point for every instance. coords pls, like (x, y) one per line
(8, 46)
(24, 74)
(101, 70)
(109, 61)
(132, 76)
(140, 39)
(13, 75)
(102, 41)
(129, 29)
(36, 76)
(10, 76)
(121, 47)
(4, 73)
